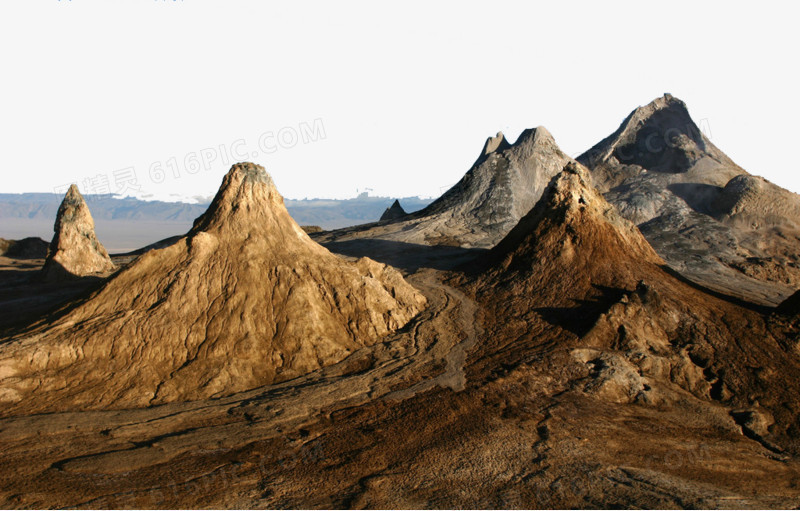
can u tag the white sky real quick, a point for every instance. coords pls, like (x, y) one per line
(406, 92)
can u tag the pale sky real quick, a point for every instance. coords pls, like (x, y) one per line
(334, 98)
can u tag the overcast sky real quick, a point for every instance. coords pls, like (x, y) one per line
(158, 97)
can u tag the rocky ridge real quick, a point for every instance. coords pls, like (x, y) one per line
(501, 186)
(687, 197)
(629, 331)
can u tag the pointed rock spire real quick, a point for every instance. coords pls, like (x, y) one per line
(393, 212)
(75, 250)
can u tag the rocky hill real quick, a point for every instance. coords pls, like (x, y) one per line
(663, 174)
(596, 318)
(245, 299)
(501, 186)
(26, 248)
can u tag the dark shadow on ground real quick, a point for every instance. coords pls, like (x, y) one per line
(581, 318)
(699, 197)
(409, 257)
(26, 298)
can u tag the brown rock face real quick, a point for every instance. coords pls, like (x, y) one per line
(576, 238)
(75, 250)
(245, 299)
(574, 277)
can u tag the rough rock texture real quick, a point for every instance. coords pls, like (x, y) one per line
(502, 186)
(393, 212)
(573, 227)
(638, 334)
(705, 215)
(310, 229)
(571, 372)
(245, 299)
(75, 250)
(27, 248)
(752, 202)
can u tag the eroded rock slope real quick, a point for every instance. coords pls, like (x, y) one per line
(245, 299)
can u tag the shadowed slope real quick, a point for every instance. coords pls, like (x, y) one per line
(393, 212)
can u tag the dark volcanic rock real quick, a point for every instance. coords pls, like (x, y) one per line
(698, 209)
(393, 212)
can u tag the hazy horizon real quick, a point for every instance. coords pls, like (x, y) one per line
(333, 99)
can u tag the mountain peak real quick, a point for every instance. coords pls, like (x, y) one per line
(245, 201)
(394, 211)
(73, 193)
(573, 224)
(660, 136)
(75, 250)
(495, 144)
(252, 173)
(245, 299)
(665, 102)
(536, 135)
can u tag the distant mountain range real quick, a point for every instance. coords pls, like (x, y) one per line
(129, 223)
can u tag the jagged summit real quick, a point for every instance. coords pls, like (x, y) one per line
(245, 299)
(488, 188)
(75, 250)
(501, 186)
(494, 144)
(393, 212)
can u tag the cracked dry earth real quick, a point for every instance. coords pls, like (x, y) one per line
(537, 375)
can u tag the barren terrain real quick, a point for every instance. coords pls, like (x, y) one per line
(600, 333)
